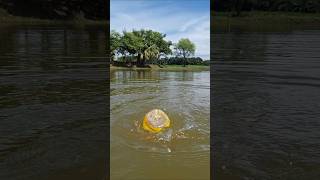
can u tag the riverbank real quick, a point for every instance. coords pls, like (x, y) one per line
(8, 19)
(264, 21)
(166, 68)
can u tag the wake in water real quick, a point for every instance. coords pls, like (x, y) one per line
(164, 141)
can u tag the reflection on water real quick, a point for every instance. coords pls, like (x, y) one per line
(52, 102)
(181, 152)
(266, 105)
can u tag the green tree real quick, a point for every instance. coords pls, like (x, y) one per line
(235, 7)
(115, 43)
(185, 48)
(131, 44)
(152, 53)
(146, 44)
(164, 48)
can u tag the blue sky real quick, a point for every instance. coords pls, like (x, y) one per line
(176, 18)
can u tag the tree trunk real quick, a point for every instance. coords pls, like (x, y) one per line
(184, 61)
(139, 60)
(143, 60)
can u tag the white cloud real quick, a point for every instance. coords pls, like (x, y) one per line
(165, 17)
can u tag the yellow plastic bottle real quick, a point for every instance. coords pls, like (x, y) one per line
(155, 121)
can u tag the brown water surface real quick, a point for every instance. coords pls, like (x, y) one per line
(266, 102)
(53, 117)
(182, 152)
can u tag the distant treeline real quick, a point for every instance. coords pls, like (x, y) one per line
(57, 9)
(180, 61)
(237, 6)
(169, 60)
(147, 46)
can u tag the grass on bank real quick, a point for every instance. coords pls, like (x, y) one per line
(8, 19)
(264, 20)
(219, 20)
(166, 68)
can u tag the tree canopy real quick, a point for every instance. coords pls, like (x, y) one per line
(146, 45)
(115, 43)
(236, 6)
(62, 9)
(185, 48)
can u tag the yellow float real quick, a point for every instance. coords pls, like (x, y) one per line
(155, 121)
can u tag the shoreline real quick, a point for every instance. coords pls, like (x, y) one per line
(32, 21)
(264, 21)
(220, 21)
(165, 68)
(7, 19)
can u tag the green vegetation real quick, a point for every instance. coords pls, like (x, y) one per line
(182, 61)
(186, 68)
(236, 7)
(9, 19)
(142, 47)
(185, 48)
(264, 15)
(146, 44)
(115, 42)
(264, 21)
(167, 68)
(57, 10)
